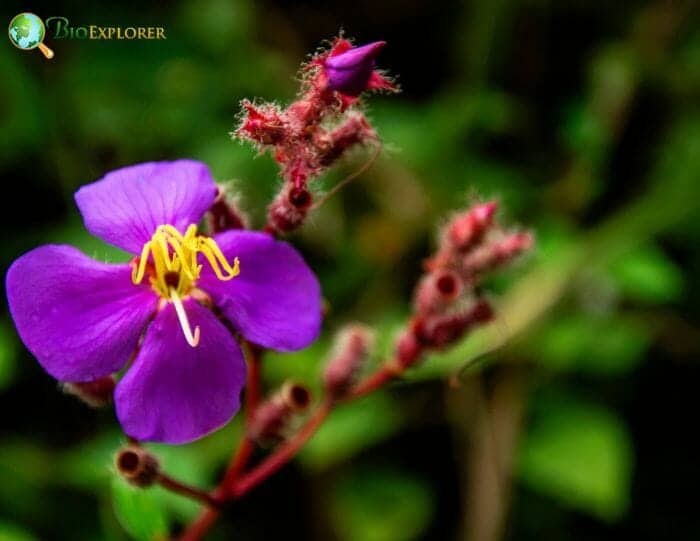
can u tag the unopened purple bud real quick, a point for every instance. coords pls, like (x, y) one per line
(349, 72)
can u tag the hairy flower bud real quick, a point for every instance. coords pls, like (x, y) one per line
(288, 210)
(96, 393)
(271, 419)
(355, 130)
(349, 71)
(137, 465)
(436, 290)
(223, 214)
(262, 124)
(496, 253)
(352, 347)
(441, 330)
(467, 228)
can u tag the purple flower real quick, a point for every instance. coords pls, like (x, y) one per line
(168, 309)
(349, 69)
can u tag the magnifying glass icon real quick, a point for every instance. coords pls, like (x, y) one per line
(27, 32)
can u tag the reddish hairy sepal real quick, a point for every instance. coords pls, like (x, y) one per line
(288, 210)
(96, 393)
(271, 420)
(352, 347)
(224, 214)
(262, 124)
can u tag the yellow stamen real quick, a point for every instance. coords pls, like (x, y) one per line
(192, 339)
(170, 259)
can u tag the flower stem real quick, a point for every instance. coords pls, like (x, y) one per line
(381, 377)
(280, 457)
(253, 380)
(194, 493)
(199, 528)
(234, 485)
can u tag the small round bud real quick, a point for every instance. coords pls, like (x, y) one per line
(300, 198)
(352, 347)
(271, 420)
(467, 228)
(437, 290)
(288, 211)
(496, 253)
(97, 393)
(137, 466)
(296, 397)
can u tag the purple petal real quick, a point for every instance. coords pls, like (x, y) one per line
(349, 72)
(176, 393)
(81, 319)
(276, 300)
(126, 206)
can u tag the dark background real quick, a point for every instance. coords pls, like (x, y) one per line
(582, 118)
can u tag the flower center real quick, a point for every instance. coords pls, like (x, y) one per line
(171, 261)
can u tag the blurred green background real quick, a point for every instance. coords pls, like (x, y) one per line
(571, 417)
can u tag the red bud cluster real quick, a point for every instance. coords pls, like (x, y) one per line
(316, 130)
(447, 303)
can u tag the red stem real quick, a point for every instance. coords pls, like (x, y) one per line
(195, 493)
(280, 457)
(252, 397)
(382, 376)
(199, 528)
(234, 486)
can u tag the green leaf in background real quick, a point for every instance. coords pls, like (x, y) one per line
(138, 511)
(646, 275)
(12, 532)
(185, 464)
(350, 429)
(376, 504)
(8, 353)
(588, 343)
(75, 234)
(579, 454)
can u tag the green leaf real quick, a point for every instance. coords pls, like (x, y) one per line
(375, 504)
(8, 350)
(591, 344)
(350, 429)
(138, 511)
(580, 454)
(184, 464)
(647, 275)
(12, 532)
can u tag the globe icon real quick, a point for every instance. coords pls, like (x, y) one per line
(27, 32)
